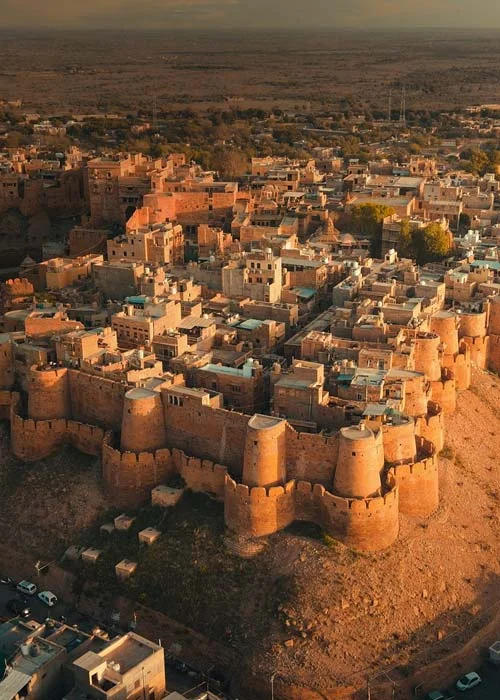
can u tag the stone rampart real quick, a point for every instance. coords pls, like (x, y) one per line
(200, 475)
(479, 349)
(472, 325)
(207, 433)
(311, 457)
(494, 353)
(129, 477)
(418, 485)
(443, 391)
(48, 393)
(5, 404)
(365, 524)
(96, 400)
(431, 426)
(7, 373)
(460, 365)
(33, 440)
(255, 512)
(86, 438)
(399, 441)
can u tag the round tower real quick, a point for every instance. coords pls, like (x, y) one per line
(264, 460)
(494, 320)
(445, 325)
(417, 395)
(48, 393)
(426, 355)
(360, 463)
(143, 425)
(6, 362)
(472, 325)
(399, 440)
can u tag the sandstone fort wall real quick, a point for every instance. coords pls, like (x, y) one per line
(129, 477)
(207, 433)
(96, 400)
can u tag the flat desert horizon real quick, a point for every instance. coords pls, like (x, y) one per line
(62, 72)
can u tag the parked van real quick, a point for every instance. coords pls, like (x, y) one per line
(26, 587)
(48, 598)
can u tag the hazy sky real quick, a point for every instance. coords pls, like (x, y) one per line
(249, 13)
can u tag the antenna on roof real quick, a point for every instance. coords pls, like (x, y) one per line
(402, 113)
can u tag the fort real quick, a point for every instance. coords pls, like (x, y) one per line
(353, 480)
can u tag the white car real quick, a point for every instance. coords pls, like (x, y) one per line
(26, 587)
(48, 598)
(470, 680)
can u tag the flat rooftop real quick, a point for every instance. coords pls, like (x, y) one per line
(130, 651)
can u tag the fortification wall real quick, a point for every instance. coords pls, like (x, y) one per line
(368, 524)
(5, 404)
(207, 433)
(460, 365)
(418, 485)
(48, 393)
(200, 475)
(479, 349)
(445, 325)
(32, 440)
(255, 512)
(143, 428)
(431, 426)
(399, 442)
(444, 392)
(96, 400)
(360, 463)
(86, 438)
(494, 353)
(264, 460)
(7, 374)
(494, 316)
(426, 355)
(365, 524)
(311, 457)
(130, 477)
(472, 325)
(417, 396)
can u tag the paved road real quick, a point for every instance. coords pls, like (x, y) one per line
(488, 690)
(179, 681)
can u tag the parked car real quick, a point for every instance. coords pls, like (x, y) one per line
(18, 608)
(7, 581)
(435, 695)
(26, 587)
(470, 680)
(48, 598)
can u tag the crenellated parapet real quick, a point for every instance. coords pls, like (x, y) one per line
(200, 475)
(48, 393)
(444, 392)
(32, 440)
(129, 477)
(418, 482)
(7, 371)
(367, 524)
(431, 425)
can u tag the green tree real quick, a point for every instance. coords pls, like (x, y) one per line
(405, 242)
(430, 243)
(230, 162)
(366, 219)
